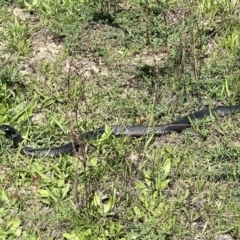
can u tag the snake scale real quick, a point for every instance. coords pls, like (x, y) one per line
(118, 130)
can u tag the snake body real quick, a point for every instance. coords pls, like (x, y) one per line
(117, 130)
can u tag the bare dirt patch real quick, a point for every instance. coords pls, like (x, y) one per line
(44, 49)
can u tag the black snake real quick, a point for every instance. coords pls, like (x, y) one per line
(128, 130)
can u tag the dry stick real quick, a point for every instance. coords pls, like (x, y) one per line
(149, 41)
(167, 47)
(155, 80)
(197, 61)
(76, 175)
(181, 68)
(197, 55)
(81, 148)
(81, 153)
(75, 183)
(196, 72)
(165, 17)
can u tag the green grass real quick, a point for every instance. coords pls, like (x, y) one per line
(71, 66)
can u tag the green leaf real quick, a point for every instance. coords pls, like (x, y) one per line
(42, 175)
(58, 123)
(72, 236)
(166, 168)
(106, 134)
(165, 183)
(110, 203)
(65, 190)
(147, 178)
(137, 211)
(4, 196)
(44, 193)
(96, 200)
(22, 112)
(93, 162)
(45, 200)
(67, 235)
(18, 232)
(3, 109)
(14, 223)
(61, 183)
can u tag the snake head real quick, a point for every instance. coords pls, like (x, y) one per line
(11, 133)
